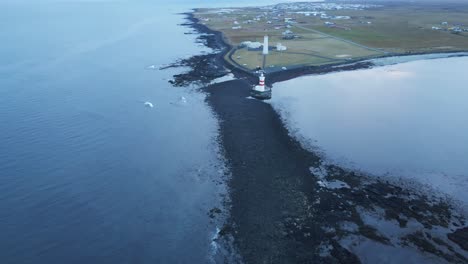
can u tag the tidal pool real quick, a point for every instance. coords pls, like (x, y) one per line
(406, 120)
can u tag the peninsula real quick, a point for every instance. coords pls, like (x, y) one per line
(287, 204)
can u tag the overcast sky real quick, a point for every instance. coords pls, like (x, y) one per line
(236, 2)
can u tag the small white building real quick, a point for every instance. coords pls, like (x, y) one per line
(280, 47)
(341, 17)
(251, 45)
(456, 30)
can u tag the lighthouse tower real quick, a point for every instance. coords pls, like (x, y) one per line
(261, 83)
(261, 91)
(265, 45)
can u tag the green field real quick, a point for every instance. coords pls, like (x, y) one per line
(372, 32)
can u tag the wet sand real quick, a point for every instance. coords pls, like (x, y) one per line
(280, 210)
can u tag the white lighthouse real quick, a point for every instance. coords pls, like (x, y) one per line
(265, 45)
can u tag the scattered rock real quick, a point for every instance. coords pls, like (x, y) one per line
(213, 212)
(460, 237)
(227, 229)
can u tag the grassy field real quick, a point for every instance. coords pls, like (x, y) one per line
(375, 31)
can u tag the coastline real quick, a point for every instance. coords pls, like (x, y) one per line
(216, 40)
(280, 212)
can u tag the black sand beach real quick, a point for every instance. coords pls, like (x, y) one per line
(279, 211)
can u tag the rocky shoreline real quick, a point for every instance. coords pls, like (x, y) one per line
(287, 205)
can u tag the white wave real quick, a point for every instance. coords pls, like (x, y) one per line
(149, 104)
(225, 78)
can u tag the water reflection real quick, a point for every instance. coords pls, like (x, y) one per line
(407, 120)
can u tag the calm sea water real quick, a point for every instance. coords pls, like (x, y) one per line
(406, 120)
(87, 173)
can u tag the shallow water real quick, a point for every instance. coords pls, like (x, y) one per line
(88, 174)
(406, 120)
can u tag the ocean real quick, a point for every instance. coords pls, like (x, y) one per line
(88, 174)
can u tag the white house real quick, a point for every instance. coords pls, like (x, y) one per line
(251, 45)
(280, 47)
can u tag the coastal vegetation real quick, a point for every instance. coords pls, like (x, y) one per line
(325, 33)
